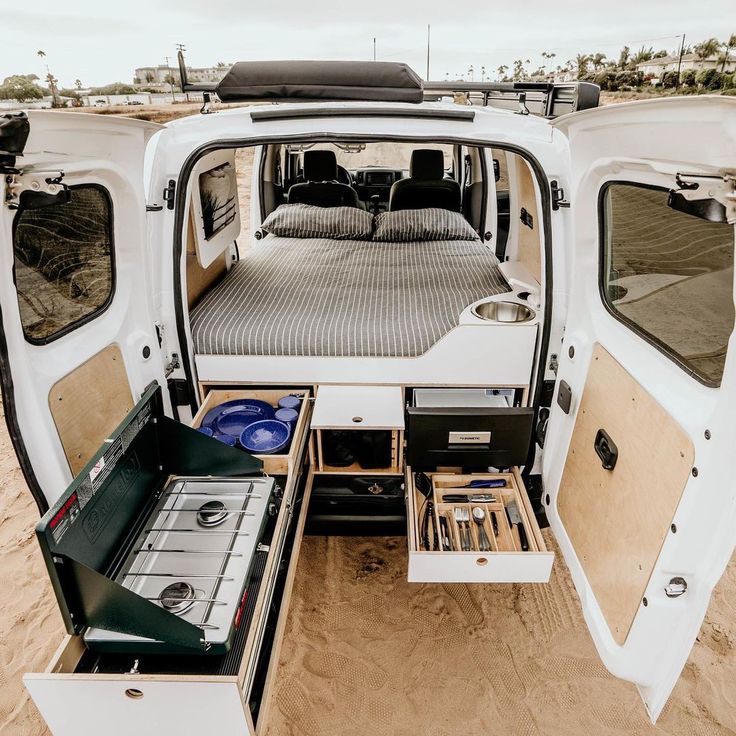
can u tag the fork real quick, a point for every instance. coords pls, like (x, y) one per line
(462, 517)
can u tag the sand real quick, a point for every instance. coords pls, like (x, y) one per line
(367, 652)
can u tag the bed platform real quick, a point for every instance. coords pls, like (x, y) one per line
(327, 311)
(352, 298)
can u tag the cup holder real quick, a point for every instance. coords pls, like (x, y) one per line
(501, 311)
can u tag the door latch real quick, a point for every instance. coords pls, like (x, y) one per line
(564, 396)
(606, 449)
(558, 195)
(676, 587)
(169, 193)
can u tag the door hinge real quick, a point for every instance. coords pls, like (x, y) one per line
(558, 195)
(169, 193)
(179, 392)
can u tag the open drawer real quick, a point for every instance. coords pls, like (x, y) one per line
(273, 464)
(465, 550)
(81, 695)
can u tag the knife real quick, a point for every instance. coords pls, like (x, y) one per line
(465, 498)
(494, 521)
(488, 483)
(512, 511)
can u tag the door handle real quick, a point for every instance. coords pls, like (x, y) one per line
(606, 449)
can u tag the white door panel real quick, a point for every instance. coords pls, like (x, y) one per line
(647, 144)
(108, 152)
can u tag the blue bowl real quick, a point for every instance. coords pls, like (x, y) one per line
(290, 402)
(206, 431)
(287, 416)
(252, 405)
(265, 437)
(235, 419)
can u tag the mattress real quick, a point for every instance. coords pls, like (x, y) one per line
(320, 297)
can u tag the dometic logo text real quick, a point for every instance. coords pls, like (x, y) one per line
(469, 438)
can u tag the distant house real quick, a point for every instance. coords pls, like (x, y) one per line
(656, 68)
(156, 76)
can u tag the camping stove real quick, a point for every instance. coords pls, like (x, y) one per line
(193, 557)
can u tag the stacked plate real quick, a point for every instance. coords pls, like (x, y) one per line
(253, 424)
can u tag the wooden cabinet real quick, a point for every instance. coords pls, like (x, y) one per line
(363, 409)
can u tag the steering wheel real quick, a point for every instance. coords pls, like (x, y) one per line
(344, 177)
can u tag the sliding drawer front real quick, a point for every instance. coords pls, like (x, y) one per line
(121, 705)
(533, 566)
(272, 464)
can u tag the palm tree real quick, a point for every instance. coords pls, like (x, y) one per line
(78, 83)
(597, 60)
(502, 72)
(706, 49)
(731, 43)
(624, 58)
(581, 60)
(150, 76)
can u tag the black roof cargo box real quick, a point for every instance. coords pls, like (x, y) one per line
(376, 81)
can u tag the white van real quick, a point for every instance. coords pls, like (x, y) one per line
(488, 321)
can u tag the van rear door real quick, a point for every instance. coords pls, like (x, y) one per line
(638, 459)
(78, 341)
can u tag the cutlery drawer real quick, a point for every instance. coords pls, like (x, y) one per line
(487, 550)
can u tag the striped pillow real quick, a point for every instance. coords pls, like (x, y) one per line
(308, 221)
(406, 226)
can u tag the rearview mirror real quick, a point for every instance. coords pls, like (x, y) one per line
(706, 209)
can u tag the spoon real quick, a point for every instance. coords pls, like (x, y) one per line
(479, 517)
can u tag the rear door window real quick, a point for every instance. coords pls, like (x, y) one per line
(669, 276)
(64, 264)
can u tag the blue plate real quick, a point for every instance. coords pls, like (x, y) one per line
(210, 418)
(234, 419)
(265, 437)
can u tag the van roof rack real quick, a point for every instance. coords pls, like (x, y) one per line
(373, 81)
(548, 99)
(382, 81)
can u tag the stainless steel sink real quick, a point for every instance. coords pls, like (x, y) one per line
(503, 312)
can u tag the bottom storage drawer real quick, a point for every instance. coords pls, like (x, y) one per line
(477, 528)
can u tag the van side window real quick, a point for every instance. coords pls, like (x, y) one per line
(669, 276)
(63, 260)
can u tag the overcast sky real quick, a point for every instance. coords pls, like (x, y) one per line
(100, 42)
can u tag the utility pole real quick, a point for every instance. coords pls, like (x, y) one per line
(171, 79)
(180, 49)
(374, 48)
(429, 29)
(679, 62)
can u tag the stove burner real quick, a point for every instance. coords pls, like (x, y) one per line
(212, 513)
(177, 597)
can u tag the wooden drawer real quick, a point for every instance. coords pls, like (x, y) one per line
(76, 703)
(505, 563)
(272, 464)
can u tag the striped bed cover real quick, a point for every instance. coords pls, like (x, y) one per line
(320, 297)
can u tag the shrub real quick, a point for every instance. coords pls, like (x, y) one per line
(687, 78)
(669, 79)
(629, 79)
(731, 91)
(709, 79)
(606, 80)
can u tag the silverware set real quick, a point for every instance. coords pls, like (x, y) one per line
(462, 516)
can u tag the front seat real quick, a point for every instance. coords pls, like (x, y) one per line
(426, 185)
(321, 187)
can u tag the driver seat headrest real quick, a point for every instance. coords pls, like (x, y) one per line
(426, 163)
(320, 166)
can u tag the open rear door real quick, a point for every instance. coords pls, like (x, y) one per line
(638, 460)
(78, 343)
